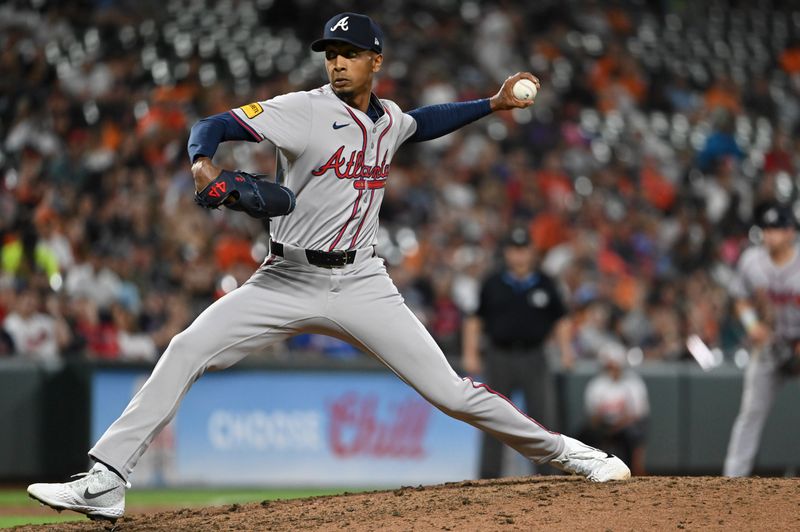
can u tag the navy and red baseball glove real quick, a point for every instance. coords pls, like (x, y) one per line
(249, 193)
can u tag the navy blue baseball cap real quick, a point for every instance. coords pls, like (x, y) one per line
(775, 215)
(353, 28)
(517, 237)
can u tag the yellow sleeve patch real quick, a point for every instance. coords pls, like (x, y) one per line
(252, 110)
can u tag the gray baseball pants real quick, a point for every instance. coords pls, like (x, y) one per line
(762, 380)
(357, 303)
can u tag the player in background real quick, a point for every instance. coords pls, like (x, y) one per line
(335, 146)
(767, 293)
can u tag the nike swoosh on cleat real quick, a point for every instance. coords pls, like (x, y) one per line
(88, 495)
(339, 126)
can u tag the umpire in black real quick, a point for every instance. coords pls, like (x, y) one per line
(518, 310)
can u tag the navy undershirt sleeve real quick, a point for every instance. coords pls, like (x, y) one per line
(434, 121)
(208, 133)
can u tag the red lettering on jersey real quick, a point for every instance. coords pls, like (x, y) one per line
(784, 298)
(362, 184)
(354, 168)
(334, 163)
(355, 161)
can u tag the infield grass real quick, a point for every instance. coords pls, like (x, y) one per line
(14, 502)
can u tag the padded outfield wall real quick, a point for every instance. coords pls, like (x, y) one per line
(332, 425)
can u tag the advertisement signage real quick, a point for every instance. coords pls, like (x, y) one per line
(295, 428)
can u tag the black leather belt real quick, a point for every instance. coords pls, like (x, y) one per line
(323, 259)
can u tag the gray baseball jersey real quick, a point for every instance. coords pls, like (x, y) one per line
(337, 163)
(776, 292)
(758, 276)
(335, 160)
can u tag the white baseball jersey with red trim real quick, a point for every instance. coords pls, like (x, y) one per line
(336, 161)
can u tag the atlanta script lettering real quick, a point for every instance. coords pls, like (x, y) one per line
(354, 168)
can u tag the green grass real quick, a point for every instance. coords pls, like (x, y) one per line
(17, 520)
(176, 498)
(14, 497)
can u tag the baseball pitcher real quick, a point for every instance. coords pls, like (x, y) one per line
(322, 275)
(767, 292)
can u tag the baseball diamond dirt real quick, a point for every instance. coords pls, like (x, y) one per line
(538, 503)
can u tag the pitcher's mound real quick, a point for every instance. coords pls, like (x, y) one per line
(539, 503)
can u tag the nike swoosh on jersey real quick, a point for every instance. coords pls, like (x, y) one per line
(339, 126)
(88, 495)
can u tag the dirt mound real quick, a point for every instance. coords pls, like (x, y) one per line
(539, 503)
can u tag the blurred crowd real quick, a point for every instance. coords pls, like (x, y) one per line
(659, 128)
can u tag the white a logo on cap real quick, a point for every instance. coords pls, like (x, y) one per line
(341, 24)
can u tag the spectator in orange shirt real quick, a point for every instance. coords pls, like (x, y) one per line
(790, 59)
(233, 248)
(723, 94)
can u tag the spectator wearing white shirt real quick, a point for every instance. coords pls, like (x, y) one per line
(617, 407)
(34, 333)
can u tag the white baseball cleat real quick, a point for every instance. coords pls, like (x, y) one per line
(100, 494)
(596, 465)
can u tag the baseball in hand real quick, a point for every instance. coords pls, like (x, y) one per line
(524, 89)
